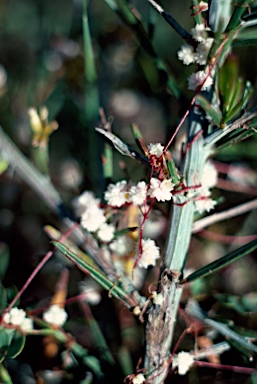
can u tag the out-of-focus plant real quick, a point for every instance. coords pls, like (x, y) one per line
(123, 240)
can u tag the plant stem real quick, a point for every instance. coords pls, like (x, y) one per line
(161, 319)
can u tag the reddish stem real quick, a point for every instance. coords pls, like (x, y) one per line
(36, 270)
(226, 239)
(245, 370)
(197, 91)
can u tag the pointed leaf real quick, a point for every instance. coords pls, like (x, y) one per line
(121, 147)
(98, 276)
(206, 105)
(243, 42)
(194, 309)
(234, 137)
(222, 262)
(240, 8)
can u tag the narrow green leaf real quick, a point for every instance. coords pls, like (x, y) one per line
(228, 83)
(222, 262)
(243, 42)
(244, 331)
(237, 345)
(242, 103)
(240, 8)
(206, 105)
(173, 171)
(98, 276)
(234, 137)
(100, 342)
(121, 147)
(194, 309)
(90, 70)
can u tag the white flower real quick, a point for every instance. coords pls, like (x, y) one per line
(204, 204)
(27, 324)
(117, 194)
(161, 190)
(15, 316)
(197, 79)
(85, 200)
(137, 194)
(199, 32)
(186, 54)
(203, 6)
(138, 379)
(150, 253)
(122, 246)
(157, 298)
(155, 149)
(209, 176)
(18, 317)
(91, 291)
(183, 360)
(106, 232)
(55, 315)
(92, 218)
(202, 51)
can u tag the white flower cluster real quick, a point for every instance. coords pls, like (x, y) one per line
(183, 360)
(208, 181)
(138, 379)
(17, 317)
(119, 194)
(55, 315)
(188, 55)
(150, 253)
(93, 217)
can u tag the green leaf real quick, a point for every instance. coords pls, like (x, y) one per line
(173, 171)
(240, 8)
(208, 108)
(243, 42)
(234, 137)
(236, 107)
(17, 344)
(222, 262)
(98, 276)
(121, 147)
(194, 309)
(5, 339)
(237, 345)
